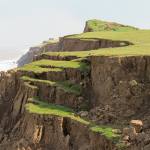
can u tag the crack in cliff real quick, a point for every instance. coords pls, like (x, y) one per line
(66, 126)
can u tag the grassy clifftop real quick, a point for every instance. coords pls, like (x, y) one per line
(99, 25)
(139, 38)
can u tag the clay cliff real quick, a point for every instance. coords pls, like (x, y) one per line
(77, 99)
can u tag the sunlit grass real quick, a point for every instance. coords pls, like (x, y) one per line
(140, 39)
(45, 65)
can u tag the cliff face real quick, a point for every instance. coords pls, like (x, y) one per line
(72, 101)
(122, 83)
(37, 50)
(73, 44)
(22, 130)
(119, 84)
(46, 132)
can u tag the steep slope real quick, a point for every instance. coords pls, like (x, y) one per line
(45, 125)
(80, 100)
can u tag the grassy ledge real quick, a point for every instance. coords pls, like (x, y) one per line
(64, 85)
(40, 107)
(140, 39)
(38, 69)
(45, 65)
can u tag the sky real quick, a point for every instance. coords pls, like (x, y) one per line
(25, 23)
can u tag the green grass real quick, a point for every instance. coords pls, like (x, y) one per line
(140, 39)
(57, 110)
(107, 131)
(99, 25)
(64, 85)
(37, 69)
(45, 65)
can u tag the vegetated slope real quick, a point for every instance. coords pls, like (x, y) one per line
(95, 25)
(80, 99)
(64, 44)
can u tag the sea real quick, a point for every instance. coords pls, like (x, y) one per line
(8, 64)
(8, 60)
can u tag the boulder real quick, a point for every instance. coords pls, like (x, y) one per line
(137, 124)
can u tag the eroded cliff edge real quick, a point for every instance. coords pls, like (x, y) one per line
(117, 89)
(77, 100)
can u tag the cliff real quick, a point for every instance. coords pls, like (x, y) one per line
(50, 45)
(80, 100)
(72, 44)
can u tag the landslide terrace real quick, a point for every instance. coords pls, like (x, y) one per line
(79, 100)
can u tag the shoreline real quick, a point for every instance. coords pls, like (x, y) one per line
(6, 65)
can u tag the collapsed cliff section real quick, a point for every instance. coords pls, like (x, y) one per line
(36, 119)
(119, 83)
(117, 87)
(122, 83)
(121, 93)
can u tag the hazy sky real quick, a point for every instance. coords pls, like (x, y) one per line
(24, 23)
